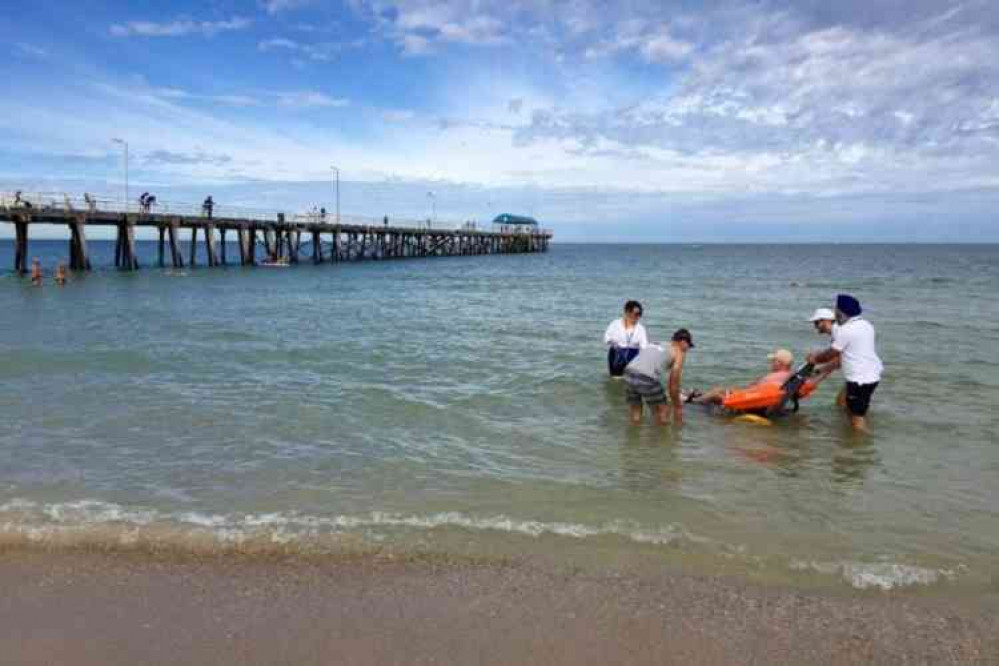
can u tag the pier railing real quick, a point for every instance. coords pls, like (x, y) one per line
(64, 201)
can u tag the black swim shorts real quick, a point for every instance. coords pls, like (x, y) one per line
(858, 397)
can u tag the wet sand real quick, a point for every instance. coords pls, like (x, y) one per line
(103, 609)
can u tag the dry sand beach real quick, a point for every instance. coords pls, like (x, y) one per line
(125, 608)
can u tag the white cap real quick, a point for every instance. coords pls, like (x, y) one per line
(781, 356)
(823, 313)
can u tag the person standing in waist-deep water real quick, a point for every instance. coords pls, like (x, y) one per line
(624, 338)
(854, 347)
(644, 378)
(36, 273)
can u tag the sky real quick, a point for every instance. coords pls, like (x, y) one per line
(608, 120)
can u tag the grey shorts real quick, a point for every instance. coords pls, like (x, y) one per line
(639, 387)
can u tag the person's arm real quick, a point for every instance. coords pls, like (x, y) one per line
(609, 334)
(673, 386)
(826, 370)
(642, 338)
(826, 356)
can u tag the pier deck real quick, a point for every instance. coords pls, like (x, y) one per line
(278, 239)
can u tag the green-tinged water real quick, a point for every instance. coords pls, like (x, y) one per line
(461, 405)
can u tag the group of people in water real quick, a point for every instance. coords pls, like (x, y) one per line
(37, 277)
(653, 372)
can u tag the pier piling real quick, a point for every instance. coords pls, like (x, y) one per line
(210, 245)
(21, 247)
(175, 254)
(78, 259)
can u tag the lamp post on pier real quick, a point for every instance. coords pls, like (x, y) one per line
(335, 184)
(433, 204)
(125, 145)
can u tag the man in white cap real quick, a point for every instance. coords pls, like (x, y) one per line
(824, 321)
(854, 347)
(781, 361)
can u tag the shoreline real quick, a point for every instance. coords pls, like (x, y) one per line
(90, 608)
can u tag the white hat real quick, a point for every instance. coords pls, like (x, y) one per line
(823, 313)
(781, 356)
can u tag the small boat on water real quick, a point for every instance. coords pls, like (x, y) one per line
(276, 263)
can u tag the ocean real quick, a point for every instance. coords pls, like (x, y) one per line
(461, 407)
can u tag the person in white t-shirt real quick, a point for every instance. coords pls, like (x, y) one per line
(624, 338)
(854, 346)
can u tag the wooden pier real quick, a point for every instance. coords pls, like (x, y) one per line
(258, 240)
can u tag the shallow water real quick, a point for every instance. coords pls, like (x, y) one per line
(461, 405)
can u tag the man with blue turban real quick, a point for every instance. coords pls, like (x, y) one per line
(853, 346)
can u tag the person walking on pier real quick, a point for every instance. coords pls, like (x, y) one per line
(90, 201)
(143, 205)
(207, 207)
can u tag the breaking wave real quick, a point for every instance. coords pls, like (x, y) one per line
(105, 525)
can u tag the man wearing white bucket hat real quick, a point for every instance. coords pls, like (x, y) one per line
(824, 321)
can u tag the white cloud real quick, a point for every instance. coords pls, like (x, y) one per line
(308, 99)
(315, 52)
(416, 26)
(278, 6)
(653, 42)
(278, 43)
(663, 48)
(235, 100)
(414, 45)
(178, 94)
(178, 28)
(25, 49)
(398, 115)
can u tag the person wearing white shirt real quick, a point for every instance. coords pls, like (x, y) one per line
(854, 347)
(624, 338)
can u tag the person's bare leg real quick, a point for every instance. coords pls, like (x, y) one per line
(713, 397)
(662, 414)
(635, 412)
(859, 423)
